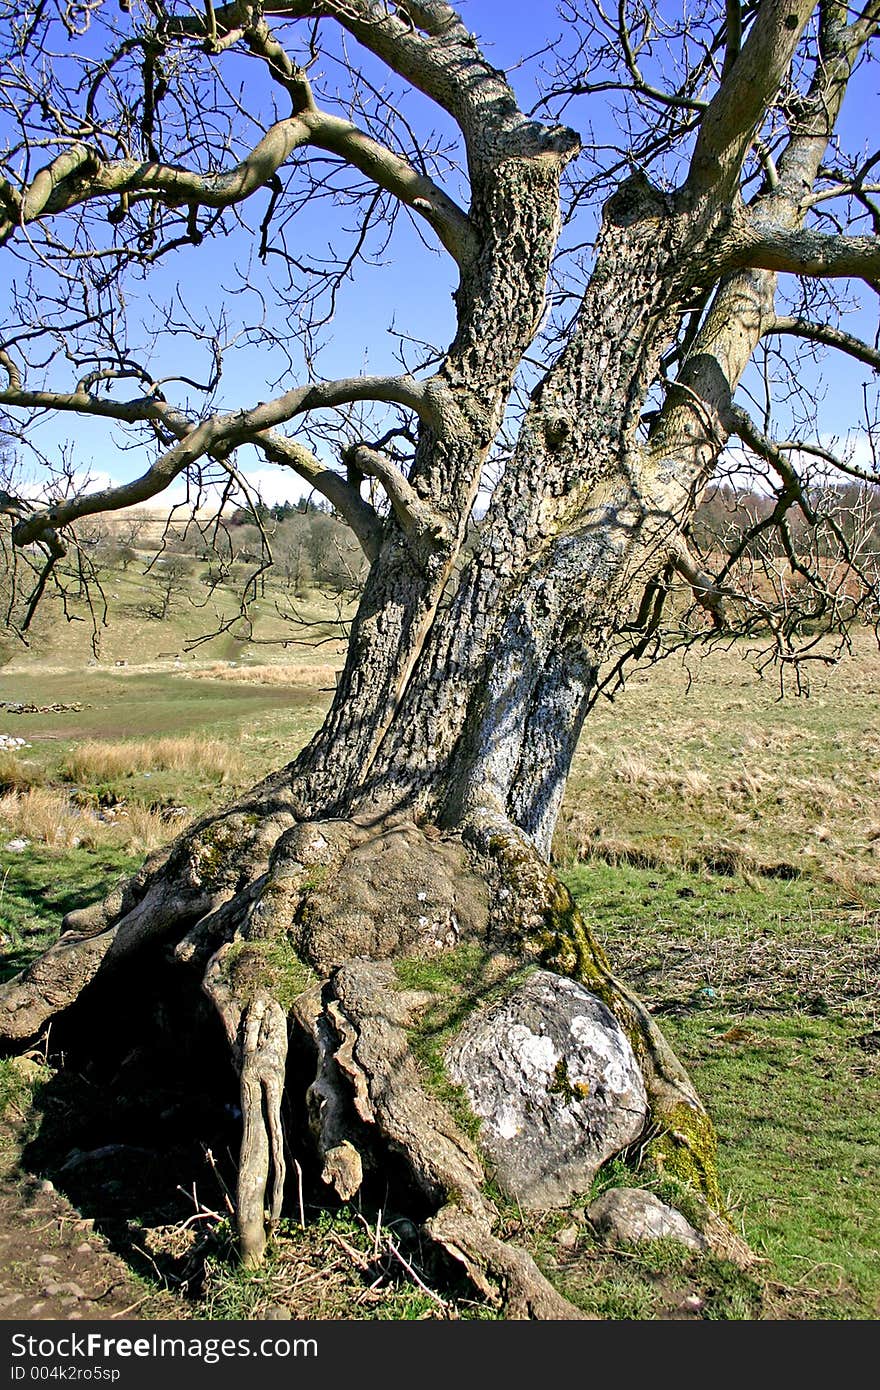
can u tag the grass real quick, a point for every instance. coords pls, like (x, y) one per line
(797, 1105)
(103, 761)
(39, 886)
(332, 1266)
(768, 991)
(725, 847)
(321, 676)
(700, 765)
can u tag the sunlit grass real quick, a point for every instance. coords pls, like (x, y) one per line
(97, 760)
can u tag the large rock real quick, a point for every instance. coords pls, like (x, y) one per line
(630, 1214)
(556, 1084)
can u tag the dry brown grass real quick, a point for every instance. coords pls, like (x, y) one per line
(16, 772)
(321, 676)
(98, 761)
(45, 815)
(683, 772)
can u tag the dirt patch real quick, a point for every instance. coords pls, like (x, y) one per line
(55, 1265)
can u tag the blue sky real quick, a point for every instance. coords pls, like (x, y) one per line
(409, 290)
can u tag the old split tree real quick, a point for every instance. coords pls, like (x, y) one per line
(524, 495)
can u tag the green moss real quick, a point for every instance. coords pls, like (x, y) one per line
(216, 845)
(562, 1084)
(450, 972)
(269, 966)
(315, 878)
(686, 1149)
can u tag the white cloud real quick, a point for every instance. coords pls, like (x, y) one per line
(49, 489)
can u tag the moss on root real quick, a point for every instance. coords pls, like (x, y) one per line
(684, 1146)
(686, 1149)
(267, 966)
(215, 848)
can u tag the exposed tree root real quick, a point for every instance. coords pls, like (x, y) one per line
(490, 1261)
(264, 1056)
(298, 925)
(376, 1055)
(174, 889)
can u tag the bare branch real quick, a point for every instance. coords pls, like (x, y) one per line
(360, 515)
(706, 592)
(78, 176)
(419, 521)
(738, 107)
(828, 335)
(806, 252)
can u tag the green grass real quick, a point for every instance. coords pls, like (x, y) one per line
(768, 991)
(797, 1108)
(723, 845)
(335, 1266)
(658, 1280)
(39, 886)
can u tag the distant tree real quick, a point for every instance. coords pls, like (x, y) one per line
(703, 235)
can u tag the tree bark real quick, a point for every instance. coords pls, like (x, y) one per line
(451, 734)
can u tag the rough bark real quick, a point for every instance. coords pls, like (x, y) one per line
(421, 815)
(465, 716)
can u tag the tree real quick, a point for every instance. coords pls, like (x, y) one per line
(596, 431)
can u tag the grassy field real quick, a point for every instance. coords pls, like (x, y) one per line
(724, 844)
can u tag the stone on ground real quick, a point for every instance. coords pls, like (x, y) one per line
(555, 1082)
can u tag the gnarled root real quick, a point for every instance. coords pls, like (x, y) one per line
(263, 1061)
(211, 864)
(374, 1054)
(488, 1261)
(299, 923)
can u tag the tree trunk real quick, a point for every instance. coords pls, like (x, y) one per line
(420, 817)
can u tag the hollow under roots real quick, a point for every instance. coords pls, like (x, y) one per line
(301, 928)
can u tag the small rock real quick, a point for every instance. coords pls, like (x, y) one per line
(8, 1299)
(48, 1260)
(45, 1185)
(16, 846)
(277, 1313)
(568, 1237)
(632, 1214)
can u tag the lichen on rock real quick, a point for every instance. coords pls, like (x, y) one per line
(556, 1083)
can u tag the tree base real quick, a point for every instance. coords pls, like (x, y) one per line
(303, 946)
